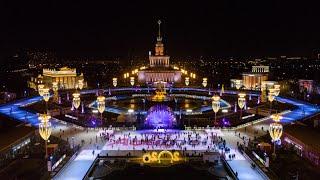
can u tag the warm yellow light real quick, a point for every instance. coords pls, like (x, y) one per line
(114, 82)
(40, 89)
(76, 100)
(46, 94)
(215, 103)
(80, 84)
(55, 86)
(276, 117)
(276, 89)
(155, 157)
(204, 82)
(45, 130)
(187, 81)
(44, 118)
(241, 100)
(132, 81)
(238, 84)
(194, 76)
(271, 95)
(275, 131)
(101, 104)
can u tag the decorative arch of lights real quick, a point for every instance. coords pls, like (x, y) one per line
(157, 157)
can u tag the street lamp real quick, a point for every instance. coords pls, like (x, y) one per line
(101, 105)
(275, 130)
(215, 106)
(204, 82)
(187, 81)
(241, 102)
(271, 97)
(238, 84)
(132, 81)
(276, 89)
(40, 89)
(45, 129)
(114, 82)
(55, 90)
(76, 100)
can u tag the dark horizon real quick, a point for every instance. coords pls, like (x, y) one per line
(125, 29)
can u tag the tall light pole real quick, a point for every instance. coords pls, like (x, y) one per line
(215, 106)
(275, 130)
(271, 96)
(46, 97)
(101, 105)
(76, 101)
(241, 102)
(204, 82)
(45, 129)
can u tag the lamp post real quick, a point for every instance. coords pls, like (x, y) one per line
(114, 82)
(46, 96)
(204, 82)
(76, 101)
(40, 89)
(275, 130)
(238, 84)
(45, 129)
(276, 89)
(55, 90)
(215, 106)
(101, 105)
(271, 96)
(241, 102)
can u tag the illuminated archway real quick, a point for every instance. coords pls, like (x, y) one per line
(165, 152)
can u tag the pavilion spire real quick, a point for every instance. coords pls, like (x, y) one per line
(159, 38)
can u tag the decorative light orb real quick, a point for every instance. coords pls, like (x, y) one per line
(276, 117)
(101, 105)
(215, 103)
(187, 81)
(40, 89)
(275, 131)
(80, 84)
(204, 82)
(46, 94)
(238, 84)
(241, 100)
(276, 89)
(76, 100)
(132, 81)
(114, 82)
(45, 130)
(271, 95)
(55, 86)
(44, 118)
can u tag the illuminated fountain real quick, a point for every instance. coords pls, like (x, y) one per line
(160, 116)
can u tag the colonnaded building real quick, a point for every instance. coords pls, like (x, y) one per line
(159, 69)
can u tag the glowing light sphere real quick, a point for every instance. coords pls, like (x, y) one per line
(101, 105)
(275, 131)
(46, 94)
(40, 89)
(114, 82)
(55, 86)
(160, 116)
(215, 103)
(241, 100)
(76, 100)
(271, 95)
(204, 82)
(45, 130)
(44, 118)
(132, 81)
(187, 81)
(80, 84)
(276, 89)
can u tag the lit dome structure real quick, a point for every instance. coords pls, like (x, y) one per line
(160, 116)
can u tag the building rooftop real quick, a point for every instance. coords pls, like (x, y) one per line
(306, 134)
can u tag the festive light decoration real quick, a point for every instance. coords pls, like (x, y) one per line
(238, 84)
(46, 94)
(155, 157)
(76, 100)
(275, 130)
(204, 82)
(80, 84)
(215, 106)
(45, 129)
(276, 89)
(40, 89)
(44, 118)
(271, 95)
(187, 81)
(160, 116)
(101, 104)
(114, 82)
(132, 81)
(241, 100)
(55, 86)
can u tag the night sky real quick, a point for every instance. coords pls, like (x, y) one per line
(122, 28)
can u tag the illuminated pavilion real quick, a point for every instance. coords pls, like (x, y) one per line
(159, 69)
